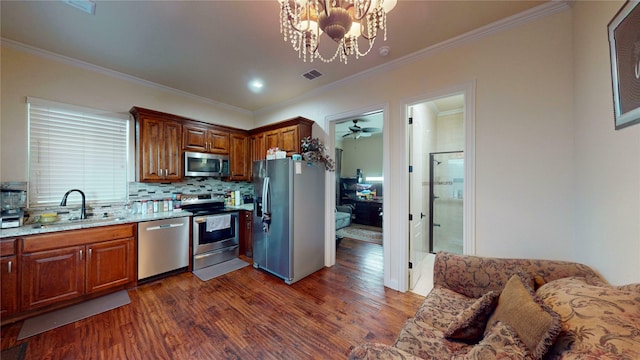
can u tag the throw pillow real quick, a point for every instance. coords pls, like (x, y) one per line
(535, 323)
(538, 281)
(470, 323)
(598, 321)
(501, 342)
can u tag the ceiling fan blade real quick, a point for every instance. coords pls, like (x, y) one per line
(364, 134)
(347, 135)
(355, 128)
(370, 129)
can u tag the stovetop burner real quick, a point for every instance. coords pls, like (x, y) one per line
(203, 204)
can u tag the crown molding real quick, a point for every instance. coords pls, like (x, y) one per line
(116, 74)
(549, 8)
(546, 9)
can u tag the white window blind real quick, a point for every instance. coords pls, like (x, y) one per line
(76, 148)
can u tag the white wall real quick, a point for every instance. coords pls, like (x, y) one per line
(364, 154)
(524, 135)
(607, 162)
(24, 74)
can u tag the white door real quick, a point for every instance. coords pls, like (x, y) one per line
(418, 247)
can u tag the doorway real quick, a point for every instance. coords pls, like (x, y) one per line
(336, 124)
(436, 183)
(359, 176)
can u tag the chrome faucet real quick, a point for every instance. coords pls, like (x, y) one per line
(83, 214)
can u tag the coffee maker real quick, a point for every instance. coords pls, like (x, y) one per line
(13, 196)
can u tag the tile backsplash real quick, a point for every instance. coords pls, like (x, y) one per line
(146, 191)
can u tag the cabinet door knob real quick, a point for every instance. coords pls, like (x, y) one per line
(80, 254)
(9, 266)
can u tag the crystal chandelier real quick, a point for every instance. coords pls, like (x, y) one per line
(303, 21)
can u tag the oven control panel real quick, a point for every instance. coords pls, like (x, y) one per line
(189, 199)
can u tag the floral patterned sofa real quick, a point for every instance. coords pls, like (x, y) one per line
(493, 308)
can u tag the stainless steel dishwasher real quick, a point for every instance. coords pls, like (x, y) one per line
(163, 245)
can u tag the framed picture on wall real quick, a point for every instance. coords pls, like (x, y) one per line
(624, 47)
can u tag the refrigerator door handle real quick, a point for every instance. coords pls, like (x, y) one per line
(266, 215)
(265, 194)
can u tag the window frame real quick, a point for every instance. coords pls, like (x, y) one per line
(130, 150)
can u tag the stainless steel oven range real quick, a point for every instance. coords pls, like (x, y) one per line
(215, 230)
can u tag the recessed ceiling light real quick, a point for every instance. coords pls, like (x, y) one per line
(83, 5)
(256, 85)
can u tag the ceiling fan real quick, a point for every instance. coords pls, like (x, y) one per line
(357, 131)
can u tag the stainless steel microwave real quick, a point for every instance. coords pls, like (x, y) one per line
(203, 164)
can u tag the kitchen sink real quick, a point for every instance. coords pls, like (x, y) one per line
(78, 221)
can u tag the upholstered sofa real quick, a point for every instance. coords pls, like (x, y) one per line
(493, 308)
(343, 216)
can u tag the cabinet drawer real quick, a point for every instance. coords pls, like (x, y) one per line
(8, 247)
(77, 237)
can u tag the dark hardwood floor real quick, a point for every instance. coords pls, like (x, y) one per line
(247, 314)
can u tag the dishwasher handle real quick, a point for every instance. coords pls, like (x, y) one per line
(165, 226)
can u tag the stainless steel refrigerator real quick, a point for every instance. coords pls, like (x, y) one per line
(288, 219)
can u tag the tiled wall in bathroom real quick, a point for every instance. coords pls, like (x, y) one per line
(146, 191)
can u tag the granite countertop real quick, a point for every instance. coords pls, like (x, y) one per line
(64, 225)
(248, 207)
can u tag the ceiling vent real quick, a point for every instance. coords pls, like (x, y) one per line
(312, 74)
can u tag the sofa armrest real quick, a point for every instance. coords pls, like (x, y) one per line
(380, 352)
(344, 208)
(474, 276)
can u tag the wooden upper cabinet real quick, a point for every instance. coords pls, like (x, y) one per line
(194, 138)
(162, 139)
(290, 139)
(218, 142)
(201, 138)
(158, 146)
(285, 135)
(258, 148)
(272, 139)
(239, 157)
(172, 155)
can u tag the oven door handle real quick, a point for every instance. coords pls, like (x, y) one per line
(200, 220)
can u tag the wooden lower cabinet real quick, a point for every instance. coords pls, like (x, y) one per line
(8, 277)
(52, 276)
(67, 265)
(110, 264)
(368, 213)
(246, 233)
(9, 283)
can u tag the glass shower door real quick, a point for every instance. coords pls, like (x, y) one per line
(446, 200)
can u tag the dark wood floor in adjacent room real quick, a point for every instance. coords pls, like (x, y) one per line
(246, 314)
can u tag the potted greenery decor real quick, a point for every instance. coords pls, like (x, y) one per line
(313, 150)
